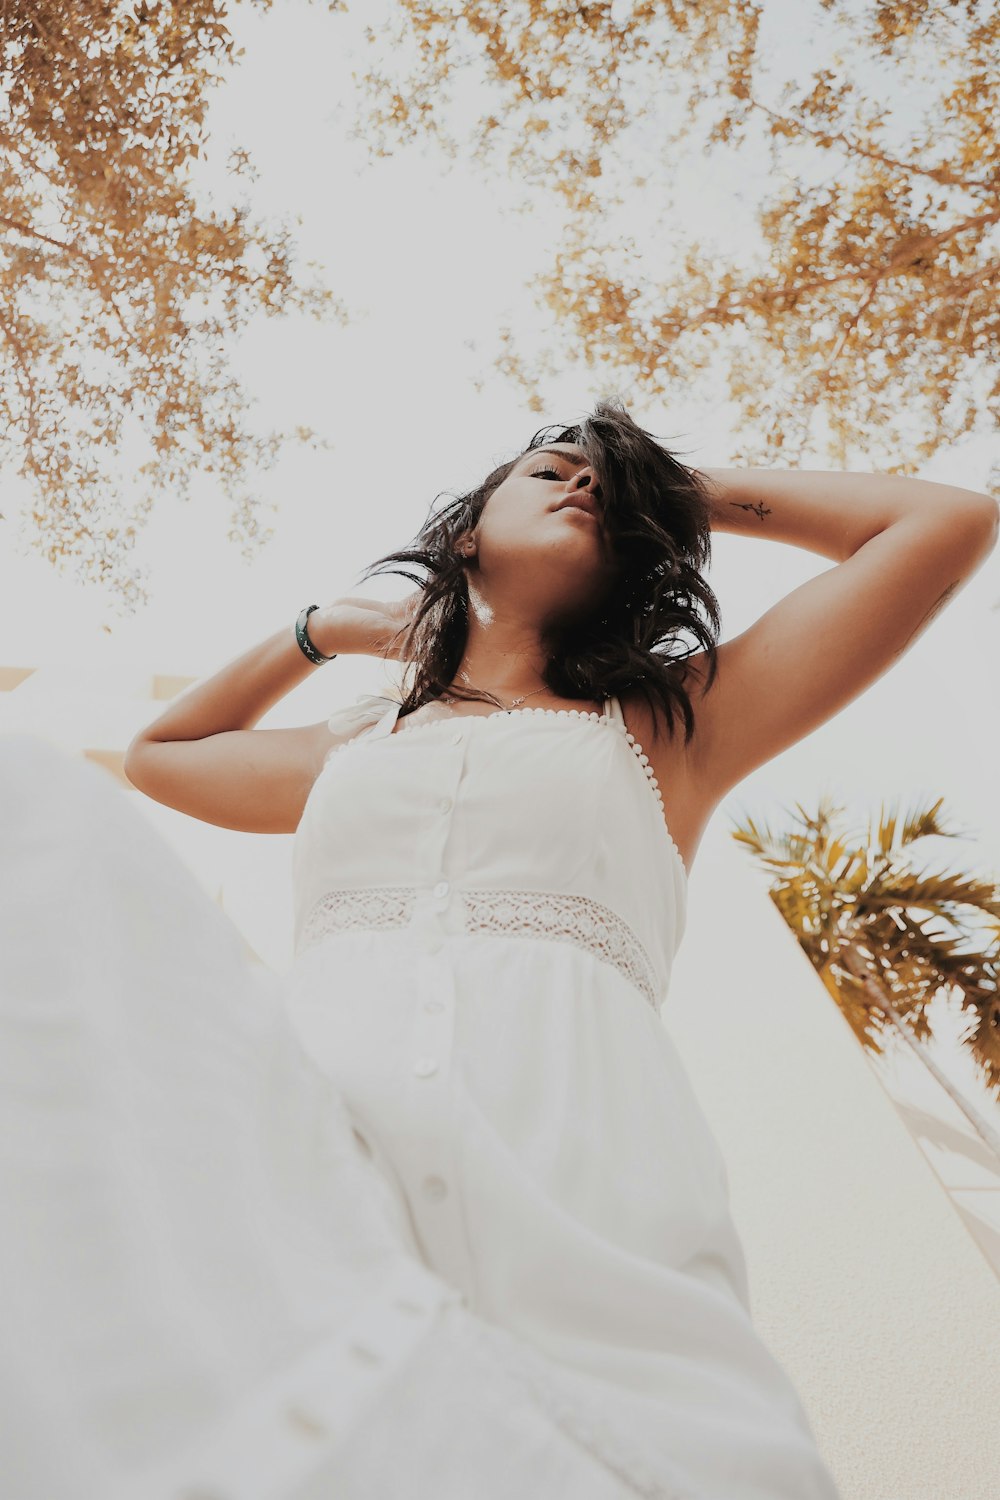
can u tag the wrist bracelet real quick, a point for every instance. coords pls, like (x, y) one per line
(302, 636)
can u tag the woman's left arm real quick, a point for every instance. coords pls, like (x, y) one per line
(834, 513)
(903, 548)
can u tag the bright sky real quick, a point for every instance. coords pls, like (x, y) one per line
(432, 263)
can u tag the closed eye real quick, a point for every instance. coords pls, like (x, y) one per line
(536, 473)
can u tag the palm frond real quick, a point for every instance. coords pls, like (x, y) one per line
(909, 934)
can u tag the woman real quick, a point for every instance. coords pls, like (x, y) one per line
(437, 1212)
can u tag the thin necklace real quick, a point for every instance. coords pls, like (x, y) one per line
(504, 706)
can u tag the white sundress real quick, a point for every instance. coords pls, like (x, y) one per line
(435, 1213)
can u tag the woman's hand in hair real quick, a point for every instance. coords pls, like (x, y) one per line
(364, 627)
(400, 614)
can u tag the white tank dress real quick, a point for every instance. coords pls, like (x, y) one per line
(504, 891)
(435, 1213)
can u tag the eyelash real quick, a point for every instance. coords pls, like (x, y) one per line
(536, 473)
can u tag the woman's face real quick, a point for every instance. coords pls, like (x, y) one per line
(535, 548)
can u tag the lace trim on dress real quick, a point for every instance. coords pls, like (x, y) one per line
(361, 906)
(499, 713)
(566, 918)
(553, 915)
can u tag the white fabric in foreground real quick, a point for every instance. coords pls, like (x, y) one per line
(203, 1289)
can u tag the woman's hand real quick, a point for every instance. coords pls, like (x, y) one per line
(400, 615)
(364, 627)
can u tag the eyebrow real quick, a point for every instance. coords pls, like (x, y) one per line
(571, 458)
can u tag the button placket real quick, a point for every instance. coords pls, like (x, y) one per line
(277, 1439)
(432, 1026)
(437, 897)
(427, 1161)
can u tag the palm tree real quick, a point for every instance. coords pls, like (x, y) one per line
(885, 938)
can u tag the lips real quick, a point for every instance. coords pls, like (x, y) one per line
(580, 502)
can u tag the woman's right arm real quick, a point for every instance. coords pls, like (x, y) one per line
(204, 757)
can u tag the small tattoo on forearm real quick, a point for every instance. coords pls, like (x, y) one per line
(759, 508)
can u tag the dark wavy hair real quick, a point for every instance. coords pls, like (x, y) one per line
(656, 516)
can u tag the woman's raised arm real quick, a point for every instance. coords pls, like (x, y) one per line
(903, 548)
(204, 757)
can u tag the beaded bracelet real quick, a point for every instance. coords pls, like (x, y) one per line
(302, 636)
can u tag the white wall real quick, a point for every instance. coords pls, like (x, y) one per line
(865, 1282)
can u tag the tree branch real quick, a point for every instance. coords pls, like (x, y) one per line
(825, 137)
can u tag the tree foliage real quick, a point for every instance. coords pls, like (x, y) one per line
(915, 933)
(868, 305)
(118, 295)
(872, 303)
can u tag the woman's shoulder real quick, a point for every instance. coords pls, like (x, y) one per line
(643, 715)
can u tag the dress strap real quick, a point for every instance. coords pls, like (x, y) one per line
(613, 709)
(384, 725)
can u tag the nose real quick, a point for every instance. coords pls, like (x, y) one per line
(590, 484)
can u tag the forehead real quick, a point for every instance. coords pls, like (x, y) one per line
(564, 450)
